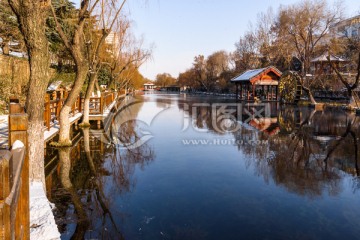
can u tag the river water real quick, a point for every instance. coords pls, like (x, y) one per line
(194, 167)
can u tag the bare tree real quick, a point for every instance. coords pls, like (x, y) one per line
(349, 86)
(304, 26)
(129, 55)
(107, 21)
(246, 53)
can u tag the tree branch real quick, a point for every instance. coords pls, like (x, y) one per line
(59, 29)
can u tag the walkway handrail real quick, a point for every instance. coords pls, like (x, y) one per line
(18, 157)
(14, 179)
(97, 106)
(53, 107)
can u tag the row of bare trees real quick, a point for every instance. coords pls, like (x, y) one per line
(287, 39)
(82, 33)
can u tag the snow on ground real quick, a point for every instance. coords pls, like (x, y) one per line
(3, 131)
(42, 221)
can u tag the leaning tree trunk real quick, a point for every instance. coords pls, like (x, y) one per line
(308, 91)
(32, 23)
(90, 88)
(64, 133)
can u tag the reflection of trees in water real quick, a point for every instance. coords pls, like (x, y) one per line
(65, 169)
(308, 154)
(82, 181)
(99, 198)
(125, 160)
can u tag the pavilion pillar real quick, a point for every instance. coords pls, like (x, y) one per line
(248, 92)
(241, 88)
(276, 92)
(237, 91)
(253, 91)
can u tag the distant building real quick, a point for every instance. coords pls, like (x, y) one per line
(346, 28)
(113, 41)
(149, 86)
(171, 88)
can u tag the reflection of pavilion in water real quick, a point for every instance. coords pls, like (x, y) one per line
(266, 125)
(262, 117)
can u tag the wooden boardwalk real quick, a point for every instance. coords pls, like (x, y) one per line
(98, 112)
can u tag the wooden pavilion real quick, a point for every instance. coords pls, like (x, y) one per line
(258, 84)
(320, 65)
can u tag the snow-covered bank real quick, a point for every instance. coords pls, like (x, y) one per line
(42, 221)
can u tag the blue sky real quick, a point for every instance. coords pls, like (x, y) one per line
(182, 29)
(179, 30)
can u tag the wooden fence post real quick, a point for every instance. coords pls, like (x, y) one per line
(18, 126)
(47, 111)
(5, 232)
(101, 104)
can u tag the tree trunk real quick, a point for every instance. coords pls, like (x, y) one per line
(39, 78)
(64, 133)
(98, 90)
(65, 168)
(308, 91)
(32, 21)
(90, 88)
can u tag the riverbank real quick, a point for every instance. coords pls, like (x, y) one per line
(42, 221)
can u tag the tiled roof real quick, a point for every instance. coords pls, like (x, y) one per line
(323, 58)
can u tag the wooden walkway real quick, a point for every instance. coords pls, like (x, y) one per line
(53, 128)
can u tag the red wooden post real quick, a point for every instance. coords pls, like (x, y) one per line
(101, 104)
(47, 111)
(18, 126)
(5, 225)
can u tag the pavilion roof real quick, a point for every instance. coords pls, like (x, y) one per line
(251, 74)
(149, 84)
(323, 58)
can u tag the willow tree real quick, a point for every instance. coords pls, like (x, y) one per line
(109, 13)
(128, 55)
(76, 45)
(31, 16)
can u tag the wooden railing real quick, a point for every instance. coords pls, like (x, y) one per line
(14, 180)
(332, 95)
(53, 107)
(99, 104)
(97, 107)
